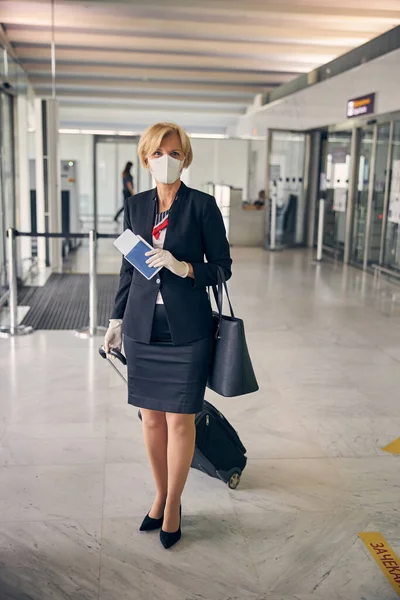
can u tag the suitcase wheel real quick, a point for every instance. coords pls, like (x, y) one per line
(234, 480)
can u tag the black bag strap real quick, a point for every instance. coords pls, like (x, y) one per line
(218, 292)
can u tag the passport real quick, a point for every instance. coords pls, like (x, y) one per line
(134, 249)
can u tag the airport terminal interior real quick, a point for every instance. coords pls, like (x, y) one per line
(292, 109)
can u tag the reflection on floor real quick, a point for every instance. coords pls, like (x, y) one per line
(74, 481)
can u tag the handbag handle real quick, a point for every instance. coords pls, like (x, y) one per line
(220, 286)
(219, 296)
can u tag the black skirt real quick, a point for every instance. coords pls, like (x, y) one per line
(165, 377)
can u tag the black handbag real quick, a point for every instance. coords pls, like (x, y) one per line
(231, 371)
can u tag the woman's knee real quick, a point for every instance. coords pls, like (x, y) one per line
(153, 419)
(180, 424)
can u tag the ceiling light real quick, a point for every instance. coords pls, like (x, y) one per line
(69, 131)
(98, 132)
(215, 136)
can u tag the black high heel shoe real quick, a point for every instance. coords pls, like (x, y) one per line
(150, 524)
(170, 539)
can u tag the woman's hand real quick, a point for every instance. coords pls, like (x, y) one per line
(113, 337)
(164, 258)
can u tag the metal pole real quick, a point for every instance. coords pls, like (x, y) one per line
(13, 329)
(313, 187)
(92, 284)
(92, 329)
(306, 186)
(321, 218)
(12, 280)
(367, 234)
(386, 199)
(95, 182)
(53, 54)
(352, 191)
(267, 185)
(272, 245)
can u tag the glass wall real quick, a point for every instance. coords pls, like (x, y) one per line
(392, 243)
(7, 204)
(12, 74)
(372, 196)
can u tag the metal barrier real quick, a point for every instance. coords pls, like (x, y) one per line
(92, 329)
(321, 219)
(378, 269)
(272, 245)
(13, 329)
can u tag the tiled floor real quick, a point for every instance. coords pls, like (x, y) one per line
(74, 480)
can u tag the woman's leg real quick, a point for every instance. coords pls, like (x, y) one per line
(121, 210)
(155, 437)
(181, 441)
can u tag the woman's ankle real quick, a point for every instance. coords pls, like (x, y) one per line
(157, 510)
(172, 505)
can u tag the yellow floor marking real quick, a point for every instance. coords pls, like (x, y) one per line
(393, 447)
(384, 555)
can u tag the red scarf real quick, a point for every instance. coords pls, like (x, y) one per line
(158, 228)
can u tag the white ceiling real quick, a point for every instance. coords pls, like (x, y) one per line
(126, 64)
(325, 103)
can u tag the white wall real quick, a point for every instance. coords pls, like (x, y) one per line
(257, 167)
(31, 145)
(234, 162)
(325, 103)
(79, 148)
(229, 162)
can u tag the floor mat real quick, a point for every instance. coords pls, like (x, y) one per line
(63, 303)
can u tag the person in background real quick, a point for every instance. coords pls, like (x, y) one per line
(261, 199)
(127, 183)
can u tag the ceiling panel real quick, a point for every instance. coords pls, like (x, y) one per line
(213, 54)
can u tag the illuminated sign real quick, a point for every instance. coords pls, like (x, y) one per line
(357, 107)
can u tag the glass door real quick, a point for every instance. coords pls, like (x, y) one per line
(286, 162)
(378, 197)
(112, 155)
(361, 200)
(335, 179)
(392, 243)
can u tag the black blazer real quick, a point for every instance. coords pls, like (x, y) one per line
(195, 229)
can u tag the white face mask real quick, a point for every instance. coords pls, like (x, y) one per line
(166, 169)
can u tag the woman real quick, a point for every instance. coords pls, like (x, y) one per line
(127, 186)
(167, 321)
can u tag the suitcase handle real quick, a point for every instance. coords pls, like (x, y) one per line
(113, 352)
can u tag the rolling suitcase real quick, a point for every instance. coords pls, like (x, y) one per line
(218, 451)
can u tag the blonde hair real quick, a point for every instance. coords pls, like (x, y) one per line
(151, 140)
